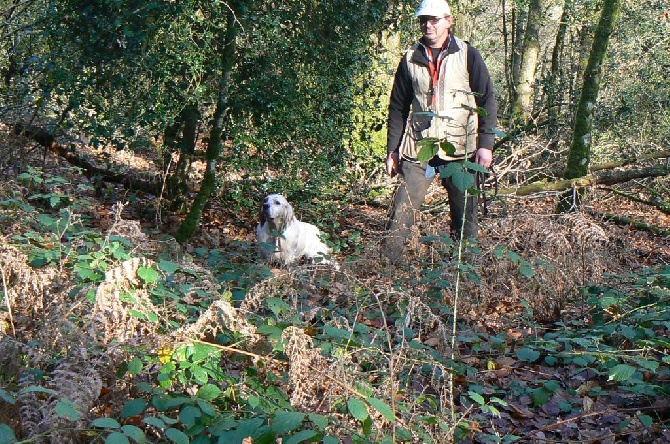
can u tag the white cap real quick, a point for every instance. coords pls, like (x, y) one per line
(434, 8)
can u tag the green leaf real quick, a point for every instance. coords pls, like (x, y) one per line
(286, 421)
(135, 366)
(135, 433)
(479, 399)
(621, 372)
(7, 435)
(358, 409)
(428, 148)
(206, 407)
(168, 267)
(383, 408)
(133, 408)
(526, 271)
(646, 420)
(474, 166)
(189, 415)
(209, 392)
(37, 388)
(541, 396)
(277, 306)
(148, 274)
(156, 422)
(330, 440)
(106, 423)
(177, 436)
(117, 438)
(319, 420)
(448, 147)
(299, 437)
(7, 397)
(528, 354)
(67, 409)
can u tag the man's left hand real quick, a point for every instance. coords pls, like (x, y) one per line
(484, 157)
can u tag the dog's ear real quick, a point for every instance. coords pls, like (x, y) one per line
(289, 213)
(261, 216)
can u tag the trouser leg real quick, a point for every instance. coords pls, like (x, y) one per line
(459, 206)
(406, 202)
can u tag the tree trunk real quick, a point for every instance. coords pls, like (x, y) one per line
(178, 182)
(555, 87)
(580, 148)
(522, 106)
(208, 184)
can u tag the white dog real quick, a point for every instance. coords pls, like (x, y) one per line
(285, 239)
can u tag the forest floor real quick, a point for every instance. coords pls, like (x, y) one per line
(501, 307)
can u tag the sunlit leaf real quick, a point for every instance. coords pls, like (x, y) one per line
(358, 409)
(286, 421)
(621, 372)
(383, 408)
(148, 274)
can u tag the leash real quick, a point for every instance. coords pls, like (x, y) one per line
(481, 186)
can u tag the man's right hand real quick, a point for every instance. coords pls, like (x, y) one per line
(392, 161)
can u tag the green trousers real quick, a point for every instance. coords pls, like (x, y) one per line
(407, 201)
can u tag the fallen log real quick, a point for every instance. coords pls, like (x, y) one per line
(597, 178)
(94, 173)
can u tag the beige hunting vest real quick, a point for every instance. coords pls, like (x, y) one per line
(452, 111)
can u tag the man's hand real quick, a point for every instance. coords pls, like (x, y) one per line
(392, 163)
(483, 156)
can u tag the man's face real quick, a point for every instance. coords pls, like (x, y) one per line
(435, 29)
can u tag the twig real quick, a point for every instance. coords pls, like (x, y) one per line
(391, 363)
(9, 305)
(558, 423)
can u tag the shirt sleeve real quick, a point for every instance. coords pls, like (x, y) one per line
(482, 85)
(399, 106)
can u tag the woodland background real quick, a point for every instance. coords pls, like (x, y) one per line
(139, 138)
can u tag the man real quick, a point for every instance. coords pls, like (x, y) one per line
(438, 85)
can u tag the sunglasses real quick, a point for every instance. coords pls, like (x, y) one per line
(431, 20)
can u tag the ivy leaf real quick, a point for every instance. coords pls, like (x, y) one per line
(383, 408)
(621, 372)
(358, 409)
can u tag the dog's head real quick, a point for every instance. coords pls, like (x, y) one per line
(276, 211)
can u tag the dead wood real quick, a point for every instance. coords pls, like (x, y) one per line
(597, 178)
(94, 173)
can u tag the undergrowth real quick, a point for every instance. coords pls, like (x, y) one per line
(112, 336)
